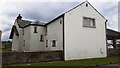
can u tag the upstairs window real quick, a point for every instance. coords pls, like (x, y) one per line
(88, 22)
(23, 31)
(46, 30)
(53, 43)
(24, 43)
(35, 29)
(41, 38)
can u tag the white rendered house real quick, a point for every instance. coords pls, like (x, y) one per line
(0, 34)
(0, 39)
(80, 33)
(119, 22)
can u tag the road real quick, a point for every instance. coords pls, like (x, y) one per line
(116, 65)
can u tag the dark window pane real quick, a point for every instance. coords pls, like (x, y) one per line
(41, 38)
(54, 43)
(35, 29)
(46, 43)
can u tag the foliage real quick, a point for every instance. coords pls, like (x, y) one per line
(6, 45)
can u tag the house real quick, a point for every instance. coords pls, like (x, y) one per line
(0, 39)
(80, 33)
(0, 34)
(0, 49)
(118, 25)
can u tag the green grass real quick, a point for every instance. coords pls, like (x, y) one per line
(6, 46)
(82, 63)
(6, 49)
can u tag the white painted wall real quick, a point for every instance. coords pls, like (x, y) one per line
(35, 44)
(15, 40)
(55, 32)
(26, 39)
(21, 38)
(119, 16)
(82, 42)
(119, 23)
(0, 49)
(15, 43)
(0, 39)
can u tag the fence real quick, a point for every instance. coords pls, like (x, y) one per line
(113, 52)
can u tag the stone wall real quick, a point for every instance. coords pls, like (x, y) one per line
(30, 57)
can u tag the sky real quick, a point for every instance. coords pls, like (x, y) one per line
(46, 10)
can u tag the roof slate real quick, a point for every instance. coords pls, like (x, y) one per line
(111, 33)
(14, 29)
(23, 23)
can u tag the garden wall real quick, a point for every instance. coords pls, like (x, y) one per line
(30, 57)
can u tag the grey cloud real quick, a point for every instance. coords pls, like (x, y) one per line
(110, 10)
(11, 14)
(6, 29)
(46, 12)
(5, 36)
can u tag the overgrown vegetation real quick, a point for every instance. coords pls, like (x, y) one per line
(73, 63)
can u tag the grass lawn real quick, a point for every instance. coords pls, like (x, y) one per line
(6, 46)
(82, 63)
(6, 49)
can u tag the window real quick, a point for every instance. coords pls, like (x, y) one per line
(54, 43)
(86, 5)
(23, 31)
(60, 21)
(46, 43)
(46, 30)
(88, 22)
(41, 38)
(35, 29)
(24, 43)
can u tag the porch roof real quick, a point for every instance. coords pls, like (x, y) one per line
(111, 34)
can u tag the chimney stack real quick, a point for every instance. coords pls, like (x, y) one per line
(19, 17)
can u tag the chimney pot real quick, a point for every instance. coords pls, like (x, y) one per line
(19, 17)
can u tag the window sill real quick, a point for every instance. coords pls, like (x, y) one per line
(53, 46)
(41, 40)
(89, 26)
(35, 32)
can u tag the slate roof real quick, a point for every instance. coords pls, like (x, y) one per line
(0, 31)
(14, 29)
(25, 23)
(112, 34)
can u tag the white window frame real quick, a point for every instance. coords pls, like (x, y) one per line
(90, 22)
